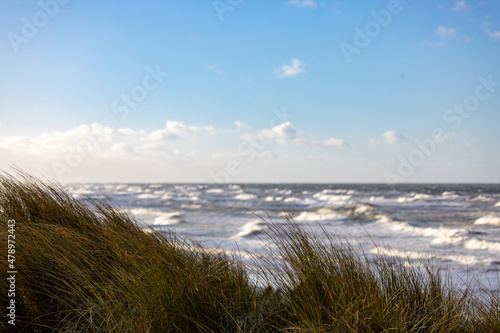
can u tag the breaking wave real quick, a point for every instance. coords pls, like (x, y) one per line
(488, 219)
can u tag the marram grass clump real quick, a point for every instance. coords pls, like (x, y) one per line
(84, 266)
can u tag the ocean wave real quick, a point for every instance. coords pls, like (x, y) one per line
(390, 252)
(291, 199)
(476, 244)
(488, 219)
(497, 204)
(134, 189)
(270, 198)
(168, 219)
(251, 229)
(191, 206)
(245, 196)
(144, 211)
(158, 217)
(147, 196)
(166, 196)
(481, 198)
(322, 214)
(440, 234)
(377, 198)
(414, 197)
(459, 259)
(333, 199)
(363, 208)
(338, 191)
(450, 194)
(215, 190)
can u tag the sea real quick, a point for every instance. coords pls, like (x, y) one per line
(455, 226)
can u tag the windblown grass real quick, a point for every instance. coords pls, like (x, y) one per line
(84, 266)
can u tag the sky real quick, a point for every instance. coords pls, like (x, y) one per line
(238, 91)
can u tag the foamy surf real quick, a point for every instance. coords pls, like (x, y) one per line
(464, 260)
(455, 224)
(488, 219)
(245, 196)
(251, 229)
(323, 214)
(157, 217)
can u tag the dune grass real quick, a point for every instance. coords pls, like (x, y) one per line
(85, 266)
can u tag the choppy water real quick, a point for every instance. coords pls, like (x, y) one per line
(458, 226)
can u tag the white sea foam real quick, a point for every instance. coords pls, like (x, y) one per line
(488, 219)
(168, 219)
(363, 208)
(476, 244)
(215, 190)
(157, 216)
(144, 211)
(245, 196)
(134, 189)
(459, 259)
(338, 191)
(414, 197)
(403, 217)
(147, 196)
(333, 199)
(384, 251)
(440, 234)
(251, 228)
(322, 214)
(270, 198)
(166, 196)
(481, 198)
(191, 206)
(406, 199)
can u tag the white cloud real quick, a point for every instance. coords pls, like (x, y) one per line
(283, 134)
(392, 137)
(460, 6)
(446, 32)
(295, 68)
(241, 125)
(287, 134)
(130, 132)
(174, 130)
(58, 142)
(493, 34)
(99, 140)
(334, 142)
(303, 3)
(443, 137)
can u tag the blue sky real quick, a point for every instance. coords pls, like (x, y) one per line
(247, 91)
